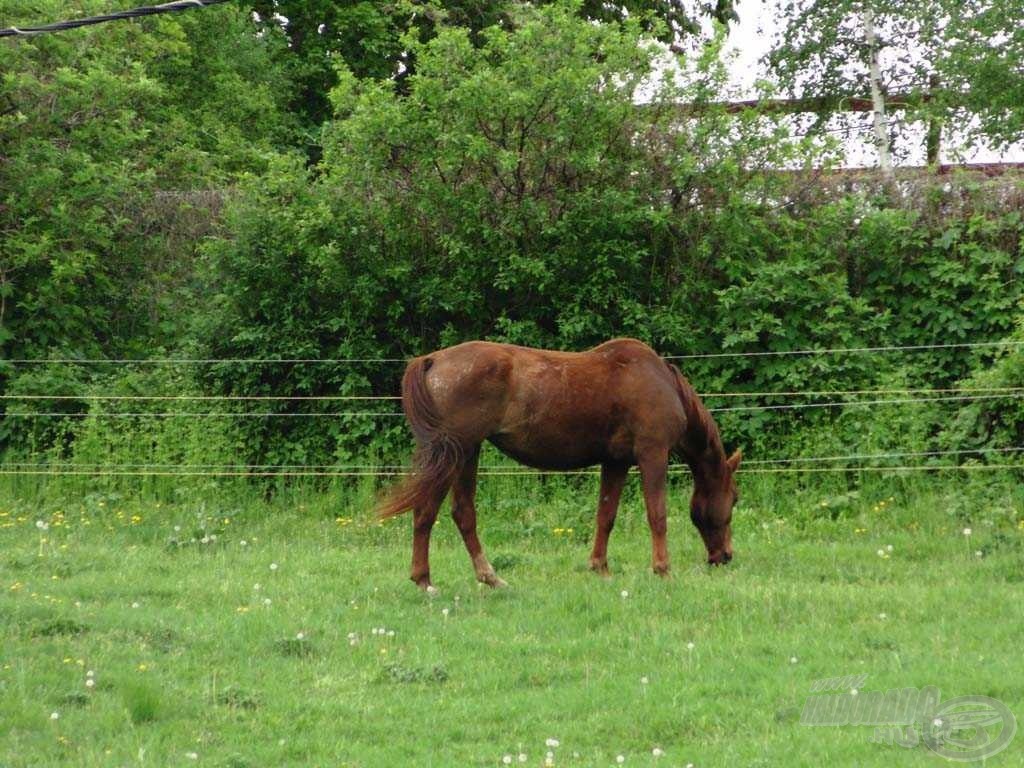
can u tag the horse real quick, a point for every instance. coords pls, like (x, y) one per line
(616, 405)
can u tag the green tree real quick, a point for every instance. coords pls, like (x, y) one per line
(982, 65)
(106, 133)
(952, 61)
(369, 36)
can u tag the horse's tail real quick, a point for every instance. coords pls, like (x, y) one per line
(438, 452)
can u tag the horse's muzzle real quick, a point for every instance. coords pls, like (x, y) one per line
(719, 558)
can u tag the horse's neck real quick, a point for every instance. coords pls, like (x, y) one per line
(707, 467)
(702, 445)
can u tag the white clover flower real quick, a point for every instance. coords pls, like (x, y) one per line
(243, 543)
(690, 646)
(551, 742)
(55, 715)
(624, 594)
(644, 680)
(391, 633)
(853, 691)
(979, 553)
(42, 525)
(445, 612)
(937, 722)
(90, 673)
(266, 601)
(967, 531)
(135, 605)
(522, 757)
(883, 616)
(888, 547)
(657, 752)
(881, 553)
(89, 682)
(793, 659)
(300, 636)
(192, 755)
(507, 759)
(273, 566)
(620, 759)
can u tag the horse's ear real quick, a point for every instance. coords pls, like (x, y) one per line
(734, 460)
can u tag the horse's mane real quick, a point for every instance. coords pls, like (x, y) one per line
(702, 442)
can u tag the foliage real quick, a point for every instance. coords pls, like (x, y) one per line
(982, 65)
(952, 60)
(370, 38)
(995, 422)
(533, 182)
(105, 131)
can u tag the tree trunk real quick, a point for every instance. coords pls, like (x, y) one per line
(881, 124)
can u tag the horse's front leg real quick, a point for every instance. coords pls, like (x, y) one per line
(654, 475)
(613, 478)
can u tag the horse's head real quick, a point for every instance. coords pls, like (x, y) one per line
(711, 510)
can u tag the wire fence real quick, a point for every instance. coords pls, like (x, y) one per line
(345, 360)
(329, 398)
(405, 468)
(849, 463)
(1011, 393)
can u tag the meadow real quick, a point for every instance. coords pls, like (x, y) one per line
(164, 624)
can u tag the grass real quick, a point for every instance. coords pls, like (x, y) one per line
(222, 630)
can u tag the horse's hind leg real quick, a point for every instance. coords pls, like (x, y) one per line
(613, 478)
(464, 514)
(654, 474)
(423, 517)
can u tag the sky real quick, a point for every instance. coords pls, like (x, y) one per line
(750, 40)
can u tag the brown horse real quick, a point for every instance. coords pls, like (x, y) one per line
(617, 405)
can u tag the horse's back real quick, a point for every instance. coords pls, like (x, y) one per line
(556, 409)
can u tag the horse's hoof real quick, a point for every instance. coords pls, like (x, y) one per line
(601, 569)
(423, 582)
(662, 571)
(493, 580)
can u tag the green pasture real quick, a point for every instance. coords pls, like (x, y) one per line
(211, 625)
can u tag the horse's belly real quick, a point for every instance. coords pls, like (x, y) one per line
(555, 450)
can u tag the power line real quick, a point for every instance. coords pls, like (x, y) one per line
(396, 414)
(198, 414)
(493, 473)
(484, 468)
(329, 397)
(119, 398)
(849, 350)
(147, 10)
(346, 360)
(839, 403)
